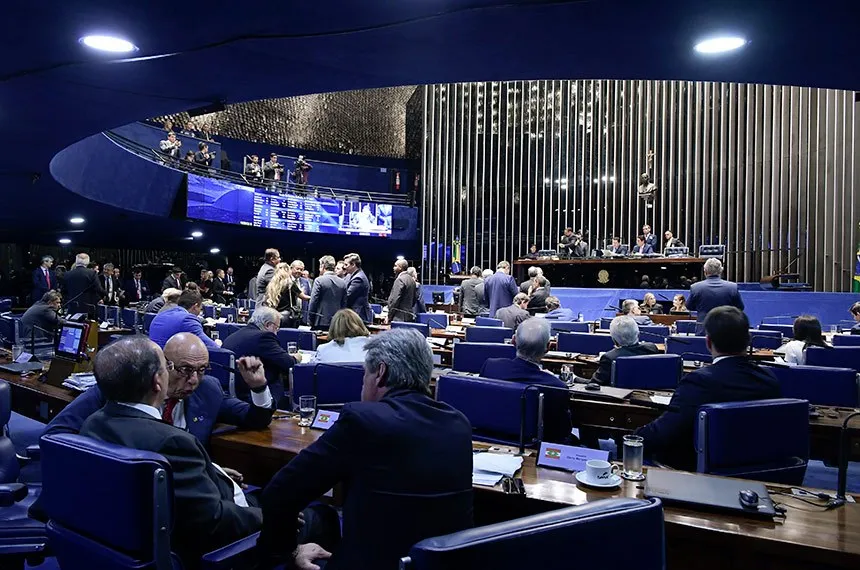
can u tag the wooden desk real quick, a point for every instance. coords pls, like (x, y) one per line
(36, 399)
(616, 272)
(694, 539)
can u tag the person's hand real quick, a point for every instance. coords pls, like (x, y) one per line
(235, 476)
(251, 369)
(305, 555)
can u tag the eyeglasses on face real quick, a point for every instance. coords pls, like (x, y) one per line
(188, 371)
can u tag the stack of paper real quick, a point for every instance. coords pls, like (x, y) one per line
(489, 468)
(82, 381)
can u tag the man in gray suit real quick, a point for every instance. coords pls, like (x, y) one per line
(712, 292)
(470, 302)
(513, 315)
(630, 307)
(534, 273)
(402, 297)
(328, 295)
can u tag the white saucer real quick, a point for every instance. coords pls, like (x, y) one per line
(613, 481)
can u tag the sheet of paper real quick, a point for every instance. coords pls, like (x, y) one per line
(496, 463)
(486, 479)
(23, 357)
(558, 354)
(663, 400)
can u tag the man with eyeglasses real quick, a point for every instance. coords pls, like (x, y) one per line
(195, 401)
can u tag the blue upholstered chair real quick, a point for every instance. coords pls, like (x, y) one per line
(689, 348)
(223, 363)
(605, 322)
(420, 327)
(129, 318)
(488, 322)
(584, 343)
(434, 320)
(538, 541)
(765, 339)
(763, 440)
(650, 372)
(112, 315)
(122, 522)
(209, 311)
(846, 340)
(333, 384)
(820, 385)
(568, 326)
(226, 312)
(685, 327)
(653, 333)
(101, 313)
(147, 320)
(226, 329)
(376, 308)
(470, 356)
(836, 357)
(5, 304)
(786, 330)
(7, 330)
(488, 334)
(306, 340)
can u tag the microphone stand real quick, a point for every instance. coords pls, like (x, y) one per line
(844, 454)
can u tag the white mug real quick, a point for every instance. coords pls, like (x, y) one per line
(599, 471)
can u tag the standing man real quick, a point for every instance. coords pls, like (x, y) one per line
(533, 273)
(402, 297)
(650, 238)
(136, 289)
(270, 259)
(500, 288)
(43, 279)
(712, 292)
(229, 281)
(471, 303)
(83, 289)
(109, 284)
(357, 287)
(218, 287)
(328, 295)
(301, 171)
(174, 280)
(272, 169)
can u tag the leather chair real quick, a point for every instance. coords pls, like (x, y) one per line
(685, 327)
(334, 384)
(470, 356)
(846, 340)
(129, 318)
(122, 522)
(548, 540)
(420, 327)
(209, 311)
(689, 348)
(226, 329)
(653, 333)
(223, 363)
(488, 334)
(147, 320)
(434, 320)
(786, 330)
(306, 340)
(819, 385)
(762, 440)
(568, 326)
(488, 322)
(605, 322)
(765, 339)
(584, 343)
(836, 357)
(649, 372)
(225, 312)
(5, 304)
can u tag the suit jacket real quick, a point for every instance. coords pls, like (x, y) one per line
(229, 282)
(651, 240)
(620, 250)
(401, 301)
(603, 374)
(358, 295)
(176, 320)
(471, 303)
(174, 282)
(264, 275)
(422, 479)
(511, 316)
(710, 293)
(562, 314)
(40, 283)
(155, 305)
(499, 291)
(306, 285)
(671, 437)
(537, 301)
(42, 316)
(641, 320)
(111, 285)
(131, 290)
(419, 306)
(674, 242)
(204, 408)
(645, 249)
(83, 291)
(524, 286)
(205, 516)
(327, 297)
(251, 341)
(557, 424)
(217, 290)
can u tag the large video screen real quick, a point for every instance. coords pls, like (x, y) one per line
(223, 201)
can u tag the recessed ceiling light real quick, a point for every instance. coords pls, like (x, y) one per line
(197, 234)
(77, 220)
(112, 44)
(400, 257)
(214, 250)
(65, 241)
(720, 44)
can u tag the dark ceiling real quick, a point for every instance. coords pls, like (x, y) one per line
(54, 92)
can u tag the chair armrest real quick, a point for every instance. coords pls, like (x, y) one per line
(34, 452)
(11, 493)
(229, 556)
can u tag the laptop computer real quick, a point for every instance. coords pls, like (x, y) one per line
(708, 492)
(21, 367)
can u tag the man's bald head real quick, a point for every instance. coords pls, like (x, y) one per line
(184, 345)
(186, 352)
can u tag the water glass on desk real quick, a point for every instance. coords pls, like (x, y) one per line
(307, 410)
(292, 347)
(567, 375)
(17, 349)
(633, 451)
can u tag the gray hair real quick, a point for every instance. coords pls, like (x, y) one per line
(107, 266)
(82, 259)
(402, 264)
(520, 297)
(265, 315)
(533, 339)
(328, 263)
(411, 272)
(552, 302)
(503, 265)
(486, 273)
(475, 270)
(624, 331)
(47, 258)
(297, 263)
(628, 305)
(407, 357)
(534, 271)
(713, 267)
(124, 369)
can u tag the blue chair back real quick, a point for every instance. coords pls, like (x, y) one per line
(420, 327)
(470, 356)
(488, 322)
(5, 304)
(836, 357)
(147, 320)
(653, 333)
(129, 318)
(226, 329)
(689, 348)
(568, 326)
(649, 372)
(9, 467)
(846, 340)
(7, 330)
(819, 385)
(765, 339)
(101, 313)
(333, 384)
(226, 312)
(605, 322)
(223, 363)
(376, 308)
(209, 311)
(685, 327)
(785, 330)
(584, 343)
(307, 340)
(762, 440)
(536, 541)
(434, 320)
(112, 315)
(488, 334)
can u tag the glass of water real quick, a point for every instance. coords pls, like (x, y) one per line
(17, 349)
(214, 335)
(632, 467)
(307, 410)
(567, 374)
(292, 347)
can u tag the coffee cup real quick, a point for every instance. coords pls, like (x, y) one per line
(599, 472)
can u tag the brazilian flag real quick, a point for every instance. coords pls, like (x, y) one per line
(856, 285)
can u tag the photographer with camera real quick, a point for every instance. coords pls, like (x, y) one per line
(170, 146)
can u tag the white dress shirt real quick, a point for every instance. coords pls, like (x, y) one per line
(352, 350)
(794, 353)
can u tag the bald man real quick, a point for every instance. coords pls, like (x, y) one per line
(195, 401)
(402, 298)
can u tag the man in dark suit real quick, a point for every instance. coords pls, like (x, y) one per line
(533, 273)
(631, 309)
(136, 288)
(625, 335)
(538, 296)
(650, 238)
(174, 280)
(209, 512)
(532, 342)
(419, 306)
(271, 258)
(732, 377)
(388, 483)
(110, 284)
(43, 279)
(328, 295)
(500, 288)
(259, 338)
(642, 246)
(470, 303)
(195, 401)
(671, 240)
(855, 314)
(513, 315)
(357, 287)
(83, 291)
(230, 281)
(402, 297)
(616, 248)
(712, 292)
(40, 321)
(218, 287)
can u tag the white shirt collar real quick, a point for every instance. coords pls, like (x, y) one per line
(145, 408)
(717, 359)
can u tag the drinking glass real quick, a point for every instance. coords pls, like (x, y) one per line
(632, 467)
(292, 347)
(307, 410)
(567, 374)
(214, 335)
(17, 349)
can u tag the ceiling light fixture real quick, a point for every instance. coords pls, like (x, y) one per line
(214, 250)
(196, 234)
(111, 44)
(77, 220)
(720, 44)
(65, 241)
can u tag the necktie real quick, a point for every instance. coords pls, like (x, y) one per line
(167, 413)
(137, 286)
(48, 278)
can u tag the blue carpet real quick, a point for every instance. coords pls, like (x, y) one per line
(48, 564)
(819, 476)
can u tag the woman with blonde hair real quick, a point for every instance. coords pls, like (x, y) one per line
(279, 295)
(347, 336)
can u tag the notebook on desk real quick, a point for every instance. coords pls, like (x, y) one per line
(708, 492)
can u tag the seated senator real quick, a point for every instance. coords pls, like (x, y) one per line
(650, 306)
(556, 311)
(182, 318)
(532, 342)
(679, 305)
(40, 321)
(807, 332)
(733, 377)
(625, 335)
(168, 296)
(347, 336)
(515, 313)
(631, 309)
(855, 314)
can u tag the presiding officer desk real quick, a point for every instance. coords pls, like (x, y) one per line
(808, 538)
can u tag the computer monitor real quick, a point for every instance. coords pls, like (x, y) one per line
(72, 340)
(438, 297)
